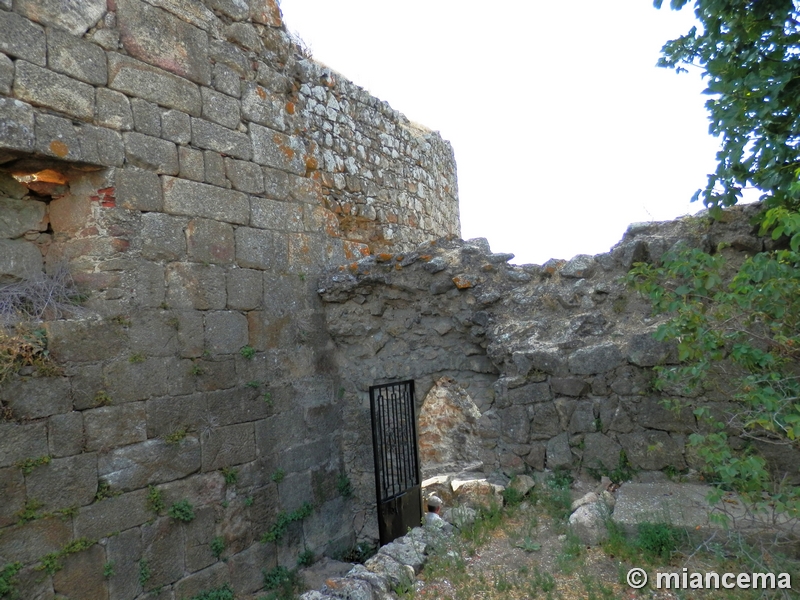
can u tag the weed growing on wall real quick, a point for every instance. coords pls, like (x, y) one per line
(344, 487)
(281, 584)
(29, 464)
(283, 520)
(8, 579)
(25, 347)
(54, 561)
(108, 569)
(144, 572)
(217, 546)
(247, 352)
(230, 474)
(154, 500)
(181, 511)
(222, 593)
(278, 475)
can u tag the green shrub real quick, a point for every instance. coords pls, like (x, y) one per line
(182, 511)
(155, 499)
(7, 579)
(657, 540)
(306, 558)
(217, 546)
(223, 593)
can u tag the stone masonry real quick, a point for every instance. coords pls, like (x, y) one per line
(557, 358)
(194, 173)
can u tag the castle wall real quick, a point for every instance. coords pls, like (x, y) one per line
(557, 358)
(194, 173)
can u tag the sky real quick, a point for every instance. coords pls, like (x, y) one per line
(563, 128)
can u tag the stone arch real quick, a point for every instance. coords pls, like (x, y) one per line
(448, 429)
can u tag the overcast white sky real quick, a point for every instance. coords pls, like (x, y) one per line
(564, 130)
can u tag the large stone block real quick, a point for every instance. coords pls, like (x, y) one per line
(46, 88)
(30, 542)
(65, 434)
(162, 236)
(37, 397)
(220, 108)
(276, 215)
(558, 453)
(192, 164)
(18, 217)
(6, 75)
(85, 341)
(125, 550)
(245, 289)
(171, 414)
(211, 577)
(194, 199)
(138, 190)
(111, 426)
(210, 136)
(266, 12)
(652, 414)
(111, 515)
(57, 137)
(153, 333)
(201, 287)
(113, 109)
(229, 446)
(101, 146)
(144, 31)
(147, 152)
(12, 490)
(163, 552)
(245, 567)
(595, 359)
(530, 394)
(139, 79)
(17, 130)
(154, 461)
(72, 56)
(274, 149)
(22, 39)
(545, 423)
(257, 249)
(645, 351)
(64, 482)
(653, 450)
(81, 577)
(600, 451)
(244, 176)
(237, 405)
(190, 333)
(75, 17)
(146, 117)
(262, 107)
(210, 242)
(128, 381)
(19, 259)
(226, 331)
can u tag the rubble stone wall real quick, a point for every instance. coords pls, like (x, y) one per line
(557, 358)
(194, 173)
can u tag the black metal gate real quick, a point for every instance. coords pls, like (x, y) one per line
(394, 443)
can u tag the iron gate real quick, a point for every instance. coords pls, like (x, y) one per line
(394, 444)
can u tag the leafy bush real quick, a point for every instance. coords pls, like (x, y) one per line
(182, 511)
(282, 522)
(657, 540)
(223, 593)
(7, 579)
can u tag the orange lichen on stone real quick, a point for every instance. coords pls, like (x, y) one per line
(290, 108)
(261, 93)
(353, 266)
(283, 147)
(384, 257)
(399, 257)
(426, 257)
(462, 282)
(311, 164)
(551, 267)
(59, 148)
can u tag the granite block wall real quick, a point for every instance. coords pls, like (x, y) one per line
(193, 173)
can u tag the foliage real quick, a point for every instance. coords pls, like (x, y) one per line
(747, 51)
(7, 582)
(230, 474)
(53, 562)
(29, 464)
(104, 491)
(144, 572)
(182, 511)
(222, 593)
(101, 398)
(278, 475)
(30, 511)
(359, 553)
(177, 436)
(344, 487)
(624, 471)
(155, 499)
(657, 540)
(283, 520)
(217, 546)
(247, 352)
(108, 569)
(305, 558)
(22, 347)
(743, 335)
(281, 583)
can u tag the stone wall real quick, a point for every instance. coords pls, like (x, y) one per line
(194, 173)
(557, 358)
